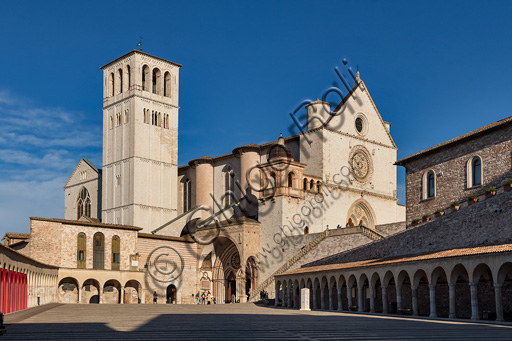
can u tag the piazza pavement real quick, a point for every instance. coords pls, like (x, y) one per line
(232, 321)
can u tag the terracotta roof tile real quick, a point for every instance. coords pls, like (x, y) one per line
(383, 261)
(17, 235)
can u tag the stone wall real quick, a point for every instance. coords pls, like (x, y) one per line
(449, 165)
(54, 242)
(484, 223)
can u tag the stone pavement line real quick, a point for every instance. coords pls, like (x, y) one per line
(237, 321)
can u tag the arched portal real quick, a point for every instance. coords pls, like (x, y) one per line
(68, 290)
(171, 294)
(228, 272)
(251, 273)
(361, 214)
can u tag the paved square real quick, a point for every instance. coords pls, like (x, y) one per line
(238, 321)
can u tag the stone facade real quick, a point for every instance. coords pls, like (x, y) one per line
(87, 176)
(449, 162)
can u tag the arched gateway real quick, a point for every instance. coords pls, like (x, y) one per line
(229, 280)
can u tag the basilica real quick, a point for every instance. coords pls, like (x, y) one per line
(316, 210)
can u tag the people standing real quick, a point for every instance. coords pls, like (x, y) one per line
(155, 297)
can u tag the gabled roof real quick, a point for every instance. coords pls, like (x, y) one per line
(472, 134)
(360, 83)
(16, 235)
(89, 163)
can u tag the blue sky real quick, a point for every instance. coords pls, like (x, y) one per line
(435, 69)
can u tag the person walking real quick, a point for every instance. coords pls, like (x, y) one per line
(155, 297)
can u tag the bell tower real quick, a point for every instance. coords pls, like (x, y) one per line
(140, 140)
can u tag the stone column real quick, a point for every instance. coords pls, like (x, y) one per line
(100, 294)
(289, 298)
(451, 292)
(372, 299)
(79, 295)
(122, 294)
(349, 297)
(277, 294)
(204, 183)
(398, 298)
(340, 305)
(322, 298)
(384, 300)
(331, 303)
(360, 301)
(249, 175)
(499, 301)
(315, 305)
(432, 291)
(414, 301)
(474, 301)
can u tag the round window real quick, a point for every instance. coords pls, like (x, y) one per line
(359, 124)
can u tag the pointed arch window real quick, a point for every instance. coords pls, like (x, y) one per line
(229, 186)
(305, 184)
(187, 195)
(80, 250)
(98, 251)
(116, 253)
(83, 204)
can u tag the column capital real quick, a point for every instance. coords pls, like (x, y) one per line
(498, 285)
(432, 286)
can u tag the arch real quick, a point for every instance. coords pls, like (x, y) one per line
(116, 253)
(227, 274)
(187, 194)
(132, 290)
(459, 283)
(128, 77)
(483, 280)
(291, 179)
(145, 78)
(504, 271)
(171, 294)
(318, 187)
(156, 81)
(111, 84)
(68, 290)
(316, 293)
(251, 275)
(305, 184)
(83, 204)
(361, 213)
(81, 249)
(429, 188)
(91, 291)
(119, 81)
(474, 171)
(306, 230)
(112, 292)
(98, 251)
(167, 84)
(312, 184)
(229, 185)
